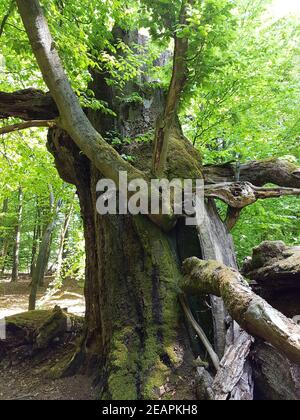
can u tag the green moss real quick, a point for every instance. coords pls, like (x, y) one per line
(122, 381)
(60, 367)
(183, 162)
(122, 386)
(157, 377)
(31, 319)
(159, 252)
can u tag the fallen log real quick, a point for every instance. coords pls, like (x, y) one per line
(38, 329)
(274, 271)
(250, 311)
(274, 265)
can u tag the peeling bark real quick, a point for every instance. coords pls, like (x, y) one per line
(232, 372)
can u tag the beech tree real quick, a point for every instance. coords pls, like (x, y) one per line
(134, 279)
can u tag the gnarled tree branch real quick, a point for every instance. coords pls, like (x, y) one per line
(277, 171)
(242, 194)
(251, 312)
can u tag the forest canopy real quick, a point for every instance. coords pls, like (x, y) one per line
(241, 101)
(183, 89)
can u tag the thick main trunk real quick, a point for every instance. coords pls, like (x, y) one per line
(131, 290)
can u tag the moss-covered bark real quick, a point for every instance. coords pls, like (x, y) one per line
(132, 277)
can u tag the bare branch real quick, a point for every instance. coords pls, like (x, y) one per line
(277, 171)
(250, 311)
(27, 124)
(199, 331)
(241, 194)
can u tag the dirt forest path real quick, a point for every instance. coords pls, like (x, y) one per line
(25, 380)
(14, 297)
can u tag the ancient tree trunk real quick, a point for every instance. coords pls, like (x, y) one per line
(16, 251)
(130, 290)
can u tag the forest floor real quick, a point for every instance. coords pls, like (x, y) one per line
(28, 379)
(14, 296)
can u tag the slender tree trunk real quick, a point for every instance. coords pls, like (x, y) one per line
(3, 238)
(16, 251)
(42, 259)
(63, 235)
(2, 219)
(35, 239)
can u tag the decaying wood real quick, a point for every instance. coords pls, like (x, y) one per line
(56, 325)
(274, 266)
(204, 382)
(38, 329)
(242, 194)
(216, 243)
(232, 371)
(279, 171)
(28, 104)
(274, 270)
(276, 378)
(250, 311)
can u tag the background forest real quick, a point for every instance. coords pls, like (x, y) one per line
(242, 104)
(147, 307)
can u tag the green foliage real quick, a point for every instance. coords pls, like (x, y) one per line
(267, 221)
(241, 100)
